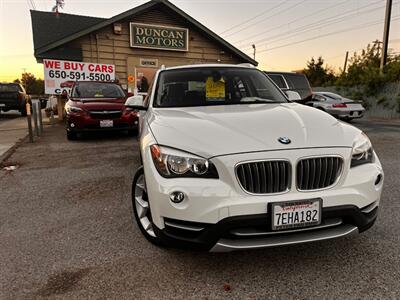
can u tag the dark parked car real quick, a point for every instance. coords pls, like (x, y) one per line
(94, 106)
(13, 96)
(296, 82)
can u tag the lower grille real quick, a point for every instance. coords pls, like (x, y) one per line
(264, 177)
(105, 114)
(319, 172)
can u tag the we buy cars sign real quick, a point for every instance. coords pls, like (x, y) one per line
(60, 74)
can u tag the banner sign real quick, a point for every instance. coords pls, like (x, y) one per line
(159, 37)
(60, 74)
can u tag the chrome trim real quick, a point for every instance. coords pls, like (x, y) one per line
(184, 227)
(227, 245)
(242, 232)
(103, 112)
(320, 156)
(262, 160)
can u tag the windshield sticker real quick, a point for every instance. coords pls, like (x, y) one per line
(215, 90)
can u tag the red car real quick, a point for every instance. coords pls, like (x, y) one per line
(94, 106)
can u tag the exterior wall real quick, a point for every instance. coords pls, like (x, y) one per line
(107, 47)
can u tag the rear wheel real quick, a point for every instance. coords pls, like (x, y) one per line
(141, 207)
(23, 111)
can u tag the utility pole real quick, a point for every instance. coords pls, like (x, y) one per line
(345, 62)
(386, 34)
(254, 51)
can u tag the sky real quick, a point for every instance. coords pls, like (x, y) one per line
(286, 33)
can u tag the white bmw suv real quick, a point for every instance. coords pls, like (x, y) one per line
(229, 163)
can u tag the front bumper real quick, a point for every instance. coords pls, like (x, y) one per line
(82, 122)
(254, 231)
(209, 202)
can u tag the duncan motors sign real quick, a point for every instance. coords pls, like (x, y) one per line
(60, 74)
(159, 37)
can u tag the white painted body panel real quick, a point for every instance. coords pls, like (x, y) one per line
(228, 135)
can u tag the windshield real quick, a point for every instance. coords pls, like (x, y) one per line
(215, 86)
(97, 90)
(9, 88)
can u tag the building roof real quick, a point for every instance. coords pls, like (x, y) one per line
(48, 28)
(51, 31)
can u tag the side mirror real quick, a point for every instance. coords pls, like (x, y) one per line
(135, 102)
(293, 96)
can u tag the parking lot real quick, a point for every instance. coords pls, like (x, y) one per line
(66, 231)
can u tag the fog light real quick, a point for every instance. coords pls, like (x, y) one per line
(72, 125)
(177, 197)
(378, 179)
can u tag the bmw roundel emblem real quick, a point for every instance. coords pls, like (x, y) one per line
(284, 140)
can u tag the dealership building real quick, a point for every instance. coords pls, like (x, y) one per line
(137, 42)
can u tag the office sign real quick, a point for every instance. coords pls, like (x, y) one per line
(159, 37)
(59, 75)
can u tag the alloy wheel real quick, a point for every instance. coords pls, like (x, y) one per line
(142, 205)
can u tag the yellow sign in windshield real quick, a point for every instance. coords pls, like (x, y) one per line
(215, 89)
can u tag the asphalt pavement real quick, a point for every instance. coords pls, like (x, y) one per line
(66, 232)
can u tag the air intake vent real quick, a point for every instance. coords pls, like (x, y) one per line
(264, 177)
(318, 173)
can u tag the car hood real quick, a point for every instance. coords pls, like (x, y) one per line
(96, 104)
(219, 130)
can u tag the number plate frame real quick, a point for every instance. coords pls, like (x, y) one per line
(106, 123)
(315, 203)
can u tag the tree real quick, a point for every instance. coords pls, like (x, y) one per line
(31, 83)
(364, 70)
(317, 74)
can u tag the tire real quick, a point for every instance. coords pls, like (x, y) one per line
(71, 135)
(141, 208)
(23, 111)
(132, 132)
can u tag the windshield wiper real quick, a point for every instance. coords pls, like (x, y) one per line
(257, 100)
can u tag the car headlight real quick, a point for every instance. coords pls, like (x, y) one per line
(362, 151)
(175, 163)
(73, 109)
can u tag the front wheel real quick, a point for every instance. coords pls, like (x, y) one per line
(71, 135)
(141, 207)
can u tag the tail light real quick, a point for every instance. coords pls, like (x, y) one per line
(340, 105)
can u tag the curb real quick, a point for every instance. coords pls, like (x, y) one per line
(6, 155)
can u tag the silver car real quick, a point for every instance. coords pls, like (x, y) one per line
(337, 105)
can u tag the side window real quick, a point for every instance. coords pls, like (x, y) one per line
(319, 98)
(279, 81)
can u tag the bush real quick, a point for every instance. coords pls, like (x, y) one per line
(381, 100)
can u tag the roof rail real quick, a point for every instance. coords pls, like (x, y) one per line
(247, 65)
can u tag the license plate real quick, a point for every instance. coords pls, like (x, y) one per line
(2, 105)
(106, 123)
(296, 214)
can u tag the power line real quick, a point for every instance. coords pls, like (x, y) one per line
(251, 19)
(295, 20)
(312, 26)
(362, 26)
(326, 21)
(267, 17)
